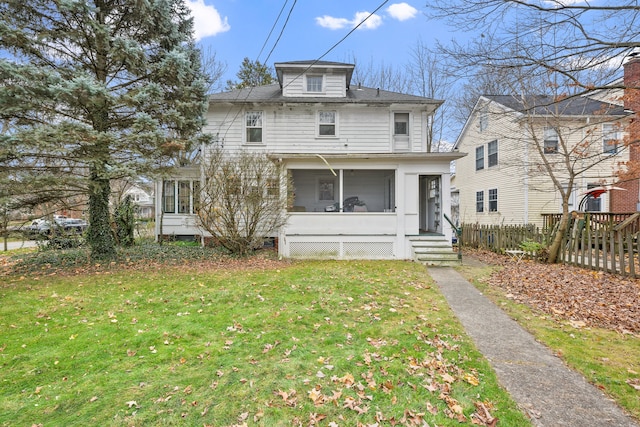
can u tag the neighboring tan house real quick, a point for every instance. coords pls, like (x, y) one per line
(503, 182)
(315, 123)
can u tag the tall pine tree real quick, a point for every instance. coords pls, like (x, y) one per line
(95, 90)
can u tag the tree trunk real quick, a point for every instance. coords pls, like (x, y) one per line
(558, 238)
(99, 235)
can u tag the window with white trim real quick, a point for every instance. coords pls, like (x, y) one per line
(611, 138)
(480, 157)
(493, 200)
(401, 124)
(314, 83)
(550, 140)
(492, 153)
(327, 121)
(180, 196)
(253, 126)
(479, 201)
(483, 118)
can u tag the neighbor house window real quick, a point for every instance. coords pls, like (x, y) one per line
(273, 187)
(480, 157)
(611, 137)
(593, 203)
(401, 124)
(253, 125)
(187, 200)
(550, 140)
(327, 123)
(479, 201)
(492, 153)
(483, 118)
(493, 200)
(314, 83)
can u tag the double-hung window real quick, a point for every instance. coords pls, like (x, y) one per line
(327, 121)
(314, 83)
(401, 124)
(480, 157)
(253, 126)
(479, 201)
(611, 138)
(550, 140)
(493, 200)
(492, 153)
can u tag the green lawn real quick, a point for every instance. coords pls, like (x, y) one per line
(308, 343)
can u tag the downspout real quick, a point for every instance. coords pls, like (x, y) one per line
(526, 183)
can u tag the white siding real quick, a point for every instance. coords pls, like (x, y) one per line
(293, 129)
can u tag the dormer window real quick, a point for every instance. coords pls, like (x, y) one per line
(314, 83)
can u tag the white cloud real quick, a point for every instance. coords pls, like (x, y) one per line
(402, 11)
(332, 23)
(372, 23)
(206, 19)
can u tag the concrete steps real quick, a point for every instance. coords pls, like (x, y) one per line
(433, 250)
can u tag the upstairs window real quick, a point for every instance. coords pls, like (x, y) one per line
(550, 140)
(314, 83)
(479, 201)
(327, 123)
(401, 124)
(253, 125)
(611, 138)
(492, 152)
(480, 157)
(483, 119)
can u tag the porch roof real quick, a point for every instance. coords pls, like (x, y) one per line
(422, 156)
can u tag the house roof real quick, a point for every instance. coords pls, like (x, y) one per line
(545, 105)
(360, 95)
(446, 156)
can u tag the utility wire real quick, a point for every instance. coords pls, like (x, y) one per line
(265, 61)
(312, 63)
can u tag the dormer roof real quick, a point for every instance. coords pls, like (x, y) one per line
(301, 67)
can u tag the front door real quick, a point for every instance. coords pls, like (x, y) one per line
(430, 204)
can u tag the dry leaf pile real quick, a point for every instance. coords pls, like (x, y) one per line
(584, 297)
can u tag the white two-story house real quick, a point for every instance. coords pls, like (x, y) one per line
(365, 185)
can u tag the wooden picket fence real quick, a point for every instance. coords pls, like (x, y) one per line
(600, 243)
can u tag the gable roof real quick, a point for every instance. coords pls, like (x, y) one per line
(361, 95)
(545, 105)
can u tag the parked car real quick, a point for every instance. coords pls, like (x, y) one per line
(60, 223)
(75, 224)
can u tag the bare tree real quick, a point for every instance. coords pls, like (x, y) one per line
(427, 76)
(581, 45)
(559, 48)
(241, 199)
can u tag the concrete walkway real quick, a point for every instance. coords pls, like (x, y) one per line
(543, 386)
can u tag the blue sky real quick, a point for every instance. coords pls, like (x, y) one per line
(235, 29)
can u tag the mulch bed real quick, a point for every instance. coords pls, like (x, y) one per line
(584, 297)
